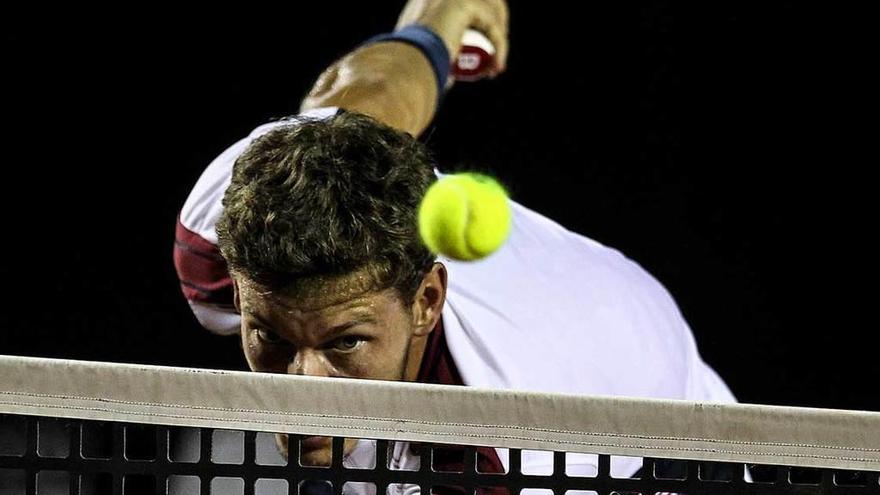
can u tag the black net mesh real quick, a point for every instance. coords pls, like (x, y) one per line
(44, 455)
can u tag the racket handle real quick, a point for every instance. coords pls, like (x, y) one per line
(476, 58)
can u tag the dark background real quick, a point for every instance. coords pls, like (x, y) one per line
(715, 144)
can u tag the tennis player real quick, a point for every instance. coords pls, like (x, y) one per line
(301, 239)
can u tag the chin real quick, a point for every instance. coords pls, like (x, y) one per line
(314, 451)
(316, 458)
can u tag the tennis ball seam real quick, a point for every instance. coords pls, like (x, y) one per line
(465, 216)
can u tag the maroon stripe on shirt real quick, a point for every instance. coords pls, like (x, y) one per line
(201, 269)
(438, 367)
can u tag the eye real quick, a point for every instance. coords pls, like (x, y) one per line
(268, 337)
(348, 343)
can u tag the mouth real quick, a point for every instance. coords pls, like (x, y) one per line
(314, 443)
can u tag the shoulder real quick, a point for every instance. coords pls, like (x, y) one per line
(552, 304)
(203, 206)
(202, 272)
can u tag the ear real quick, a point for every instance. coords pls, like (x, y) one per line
(236, 298)
(429, 300)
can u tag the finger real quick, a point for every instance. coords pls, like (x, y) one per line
(488, 20)
(501, 9)
(410, 13)
(502, 15)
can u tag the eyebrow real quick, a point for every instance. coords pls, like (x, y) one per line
(358, 320)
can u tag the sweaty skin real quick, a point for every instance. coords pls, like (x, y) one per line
(337, 327)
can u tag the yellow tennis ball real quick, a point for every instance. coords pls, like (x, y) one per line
(465, 216)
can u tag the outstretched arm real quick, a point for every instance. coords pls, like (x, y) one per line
(393, 81)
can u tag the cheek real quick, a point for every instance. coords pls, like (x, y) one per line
(356, 366)
(248, 349)
(382, 357)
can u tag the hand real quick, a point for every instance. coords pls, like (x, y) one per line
(451, 18)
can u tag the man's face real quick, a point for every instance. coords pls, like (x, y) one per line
(339, 329)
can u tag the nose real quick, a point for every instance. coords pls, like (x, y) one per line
(308, 363)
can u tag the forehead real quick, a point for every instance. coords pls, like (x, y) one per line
(316, 295)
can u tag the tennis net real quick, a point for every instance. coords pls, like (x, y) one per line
(89, 428)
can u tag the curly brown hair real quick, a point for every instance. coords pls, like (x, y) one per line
(325, 197)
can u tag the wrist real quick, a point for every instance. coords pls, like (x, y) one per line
(432, 46)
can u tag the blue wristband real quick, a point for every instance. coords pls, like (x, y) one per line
(430, 44)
